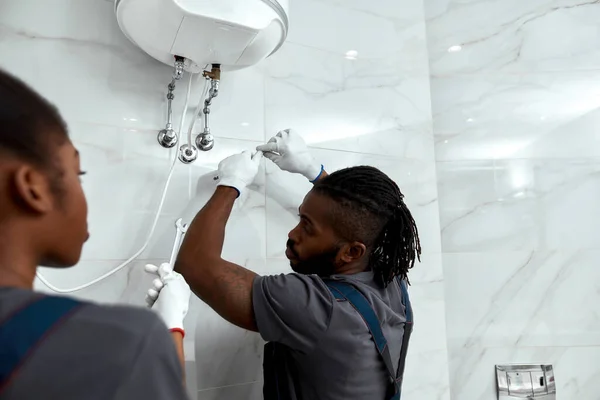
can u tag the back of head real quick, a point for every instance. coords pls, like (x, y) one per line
(42, 205)
(371, 209)
(28, 122)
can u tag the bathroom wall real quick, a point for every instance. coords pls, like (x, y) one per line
(352, 78)
(516, 116)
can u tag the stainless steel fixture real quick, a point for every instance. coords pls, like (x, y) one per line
(188, 154)
(181, 231)
(205, 141)
(168, 137)
(525, 381)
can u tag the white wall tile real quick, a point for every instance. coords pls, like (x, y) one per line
(340, 27)
(426, 376)
(512, 35)
(575, 369)
(378, 106)
(520, 204)
(493, 115)
(500, 299)
(516, 145)
(404, 10)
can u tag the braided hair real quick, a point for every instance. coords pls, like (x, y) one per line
(370, 208)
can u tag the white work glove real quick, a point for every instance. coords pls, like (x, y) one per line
(169, 296)
(289, 152)
(239, 170)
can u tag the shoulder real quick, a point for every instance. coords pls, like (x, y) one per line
(292, 294)
(136, 318)
(293, 286)
(293, 279)
(131, 345)
(121, 325)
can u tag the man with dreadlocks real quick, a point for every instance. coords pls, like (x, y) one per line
(338, 327)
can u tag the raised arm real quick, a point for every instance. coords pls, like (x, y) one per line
(224, 286)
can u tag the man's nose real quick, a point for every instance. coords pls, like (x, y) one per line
(293, 235)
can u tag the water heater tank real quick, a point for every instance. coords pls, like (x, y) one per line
(233, 33)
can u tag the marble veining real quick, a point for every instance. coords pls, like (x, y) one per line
(515, 99)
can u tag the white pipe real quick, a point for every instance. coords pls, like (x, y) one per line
(187, 102)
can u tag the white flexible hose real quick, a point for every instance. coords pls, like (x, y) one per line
(154, 223)
(198, 109)
(187, 103)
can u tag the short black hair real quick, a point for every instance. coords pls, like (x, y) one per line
(372, 211)
(29, 124)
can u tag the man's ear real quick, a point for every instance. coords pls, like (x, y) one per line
(353, 251)
(32, 189)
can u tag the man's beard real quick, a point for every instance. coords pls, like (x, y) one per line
(322, 265)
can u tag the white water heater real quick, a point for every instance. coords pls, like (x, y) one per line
(232, 33)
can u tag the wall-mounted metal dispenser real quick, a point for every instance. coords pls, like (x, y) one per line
(533, 382)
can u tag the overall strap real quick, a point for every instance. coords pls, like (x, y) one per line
(23, 331)
(346, 291)
(408, 328)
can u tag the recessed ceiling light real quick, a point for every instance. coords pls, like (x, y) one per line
(470, 120)
(454, 49)
(245, 124)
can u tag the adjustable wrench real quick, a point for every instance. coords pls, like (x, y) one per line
(181, 231)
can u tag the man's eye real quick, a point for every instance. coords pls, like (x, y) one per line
(306, 227)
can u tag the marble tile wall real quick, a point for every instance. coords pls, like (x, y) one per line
(515, 97)
(353, 79)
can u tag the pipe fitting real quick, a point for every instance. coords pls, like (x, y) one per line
(214, 90)
(167, 137)
(205, 141)
(188, 154)
(214, 73)
(179, 68)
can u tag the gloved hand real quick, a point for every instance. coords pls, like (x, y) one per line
(288, 150)
(169, 296)
(238, 171)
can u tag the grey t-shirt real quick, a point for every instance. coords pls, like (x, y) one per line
(100, 352)
(329, 342)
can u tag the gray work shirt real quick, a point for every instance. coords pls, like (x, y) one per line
(328, 341)
(100, 352)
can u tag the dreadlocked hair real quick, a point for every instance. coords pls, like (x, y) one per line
(370, 208)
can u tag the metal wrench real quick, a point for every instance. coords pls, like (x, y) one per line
(181, 231)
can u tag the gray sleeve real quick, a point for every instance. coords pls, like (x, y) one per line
(156, 372)
(292, 309)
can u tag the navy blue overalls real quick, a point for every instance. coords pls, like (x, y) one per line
(278, 369)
